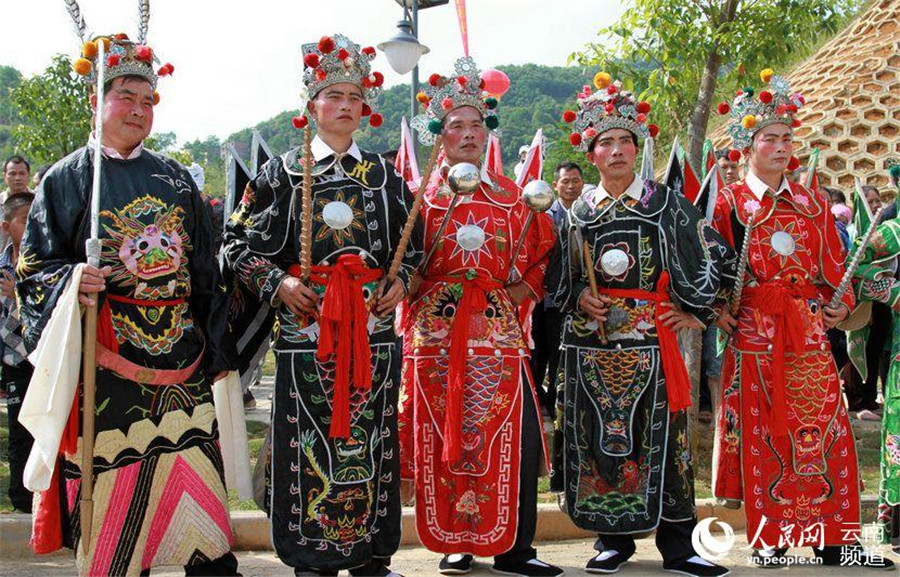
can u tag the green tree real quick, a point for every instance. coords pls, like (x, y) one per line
(54, 115)
(9, 78)
(681, 55)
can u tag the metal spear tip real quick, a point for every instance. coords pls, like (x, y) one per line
(464, 178)
(538, 196)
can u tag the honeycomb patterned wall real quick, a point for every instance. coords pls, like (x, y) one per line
(852, 90)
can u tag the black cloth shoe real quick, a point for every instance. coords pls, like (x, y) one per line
(455, 564)
(696, 566)
(768, 558)
(608, 561)
(530, 568)
(850, 556)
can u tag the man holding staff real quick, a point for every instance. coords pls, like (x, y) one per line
(159, 494)
(784, 445)
(470, 400)
(314, 236)
(634, 264)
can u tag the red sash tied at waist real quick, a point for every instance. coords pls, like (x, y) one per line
(474, 300)
(778, 300)
(678, 385)
(343, 331)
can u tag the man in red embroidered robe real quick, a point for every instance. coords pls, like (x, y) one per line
(471, 427)
(784, 443)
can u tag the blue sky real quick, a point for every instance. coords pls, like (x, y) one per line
(238, 63)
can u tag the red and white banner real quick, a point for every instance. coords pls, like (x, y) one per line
(406, 162)
(463, 25)
(493, 160)
(533, 166)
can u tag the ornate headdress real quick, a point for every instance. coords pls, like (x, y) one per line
(442, 95)
(334, 60)
(749, 115)
(609, 107)
(122, 57)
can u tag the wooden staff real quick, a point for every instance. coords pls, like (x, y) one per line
(592, 279)
(413, 214)
(89, 350)
(306, 220)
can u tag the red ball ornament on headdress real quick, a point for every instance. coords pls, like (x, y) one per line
(367, 82)
(795, 123)
(311, 60)
(793, 163)
(299, 122)
(113, 60)
(326, 44)
(447, 103)
(792, 108)
(765, 97)
(569, 116)
(143, 53)
(342, 54)
(575, 139)
(375, 120)
(166, 69)
(496, 82)
(643, 107)
(734, 155)
(611, 89)
(641, 118)
(462, 80)
(320, 74)
(434, 79)
(368, 51)
(378, 79)
(590, 132)
(653, 129)
(724, 108)
(366, 109)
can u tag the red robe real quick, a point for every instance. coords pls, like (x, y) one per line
(783, 441)
(467, 499)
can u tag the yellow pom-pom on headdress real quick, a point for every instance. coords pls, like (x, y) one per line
(766, 75)
(602, 80)
(749, 121)
(82, 66)
(89, 50)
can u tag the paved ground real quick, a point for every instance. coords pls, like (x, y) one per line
(417, 562)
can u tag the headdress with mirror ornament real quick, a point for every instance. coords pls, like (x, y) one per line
(334, 60)
(444, 94)
(122, 56)
(749, 113)
(608, 105)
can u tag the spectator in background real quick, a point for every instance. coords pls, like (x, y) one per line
(730, 169)
(16, 174)
(523, 152)
(797, 176)
(835, 196)
(546, 320)
(39, 175)
(842, 217)
(15, 370)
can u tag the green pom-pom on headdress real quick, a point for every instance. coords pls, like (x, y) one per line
(435, 126)
(749, 92)
(490, 102)
(492, 122)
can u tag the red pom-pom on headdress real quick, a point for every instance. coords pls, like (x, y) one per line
(643, 107)
(311, 60)
(724, 108)
(368, 51)
(113, 60)
(653, 129)
(378, 79)
(342, 54)
(366, 109)
(734, 155)
(166, 69)
(299, 122)
(575, 139)
(765, 97)
(375, 120)
(569, 116)
(434, 79)
(143, 53)
(320, 74)
(326, 44)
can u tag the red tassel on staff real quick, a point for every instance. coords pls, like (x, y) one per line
(463, 27)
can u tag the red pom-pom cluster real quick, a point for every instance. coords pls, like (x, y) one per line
(734, 155)
(590, 133)
(569, 116)
(326, 44)
(143, 53)
(643, 107)
(320, 75)
(368, 51)
(434, 79)
(166, 69)
(575, 139)
(611, 89)
(653, 129)
(462, 80)
(765, 97)
(377, 79)
(447, 103)
(724, 108)
(311, 60)
(795, 123)
(793, 163)
(343, 54)
(641, 118)
(366, 109)
(113, 60)
(375, 120)
(299, 122)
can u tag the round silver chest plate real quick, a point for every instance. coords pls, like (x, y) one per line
(470, 237)
(337, 215)
(783, 243)
(614, 262)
